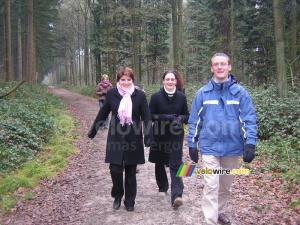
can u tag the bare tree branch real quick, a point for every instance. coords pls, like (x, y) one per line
(13, 89)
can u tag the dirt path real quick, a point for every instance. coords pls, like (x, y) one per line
(81, 193)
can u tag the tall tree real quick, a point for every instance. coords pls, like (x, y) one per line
(8, 55)
(200, 39)
(20, 52)
(29, 47)
(155, 34)
(86, 13)
(279, 46)
(180, 35)
(175, 52)
(293, 48)
(135, 40)
(232, 25)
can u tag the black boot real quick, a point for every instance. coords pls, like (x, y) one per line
(117, 203)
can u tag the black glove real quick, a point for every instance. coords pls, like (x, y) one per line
(170, 117)
(194, 154)
(180, 119)
(92, 133)
(147, 141)
(249, 153)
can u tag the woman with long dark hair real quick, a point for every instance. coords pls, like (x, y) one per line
(169, 111)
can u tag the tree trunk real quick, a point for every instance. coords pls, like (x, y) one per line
(135, 44)
(79, 54)
(67, 66)
(8, 55)
(180, 35)
(86, 52)
(20, 53)
(34, 62)
(232, 35)
(140, 45)
(29, 47)
(279, 46)
(293, 59)
(114, 54)
(175, 33)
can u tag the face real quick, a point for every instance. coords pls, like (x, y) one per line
(170, 82)
(105, 79)
(125, 82)
(220, 68)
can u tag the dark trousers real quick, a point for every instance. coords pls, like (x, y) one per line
(161, 177)
(116, 172)
(163, 184)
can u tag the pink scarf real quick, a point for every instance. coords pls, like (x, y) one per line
(125, 107)
(105, 83)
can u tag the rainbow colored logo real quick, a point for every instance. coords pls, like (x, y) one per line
(185, 170)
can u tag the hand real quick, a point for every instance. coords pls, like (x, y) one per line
(249, 153)
(194, 154)
(147, 142)
(180, 119)
(170, 117)
(148, 139)
(92, 133)
(178, 122)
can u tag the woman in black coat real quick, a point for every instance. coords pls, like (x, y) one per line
(124, 148)
(169, 111)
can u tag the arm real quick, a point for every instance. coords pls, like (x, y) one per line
(195, 121)
(156, 116)
(100, 93)
(147, 122)
(248, 119)
(99, 120)
(184, 115)
(100, 90)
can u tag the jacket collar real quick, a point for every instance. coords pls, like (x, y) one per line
(166, 94)
(231, 83)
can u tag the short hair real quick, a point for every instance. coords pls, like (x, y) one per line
(221, 54)
(104, 76)
(125, 71)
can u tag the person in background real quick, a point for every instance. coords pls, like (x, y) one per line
(101, 91)
(124, 148)
(222, 124)
(169, 111)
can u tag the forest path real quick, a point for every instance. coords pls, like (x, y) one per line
(80, 194)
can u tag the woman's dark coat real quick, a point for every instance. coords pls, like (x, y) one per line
(168, 135)
(125, 143)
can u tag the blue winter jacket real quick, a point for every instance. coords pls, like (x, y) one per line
(222, 119)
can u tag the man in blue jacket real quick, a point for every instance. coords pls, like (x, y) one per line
(222, 123)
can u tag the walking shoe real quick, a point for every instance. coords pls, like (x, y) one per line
(130, 208)
(223, 219)
(177, 202)
(162, 194)
(117, 203)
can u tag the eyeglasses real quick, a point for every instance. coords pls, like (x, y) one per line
(216, 65)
